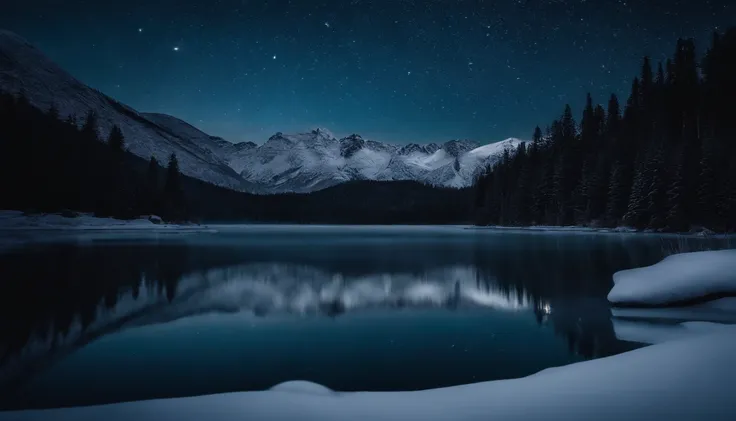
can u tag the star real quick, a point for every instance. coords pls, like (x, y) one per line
(176, 48)
(140, 29)
(327, 24)
(274, 57)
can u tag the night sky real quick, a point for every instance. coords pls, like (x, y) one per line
(392, 70)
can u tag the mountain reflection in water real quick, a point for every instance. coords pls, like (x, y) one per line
(58, 298)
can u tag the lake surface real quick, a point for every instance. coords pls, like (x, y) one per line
(100, 317)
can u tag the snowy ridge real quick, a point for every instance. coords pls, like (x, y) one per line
(310, 161)
(23, 68)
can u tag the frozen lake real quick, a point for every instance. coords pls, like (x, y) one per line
(101, 317)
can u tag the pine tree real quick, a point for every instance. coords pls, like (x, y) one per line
(152, 173)
(613, 118)
(54, 112)
(568, 124)
(657, 194)
(588, 124)
(173, 196)
(676, 219)
(598, 189)
(599, 116)
(542, 197)
(523, 197)
(150, 193)
(646, 87)
(636, 214)
(481, 190)
(90, 127)
(661, 80)
(116, 140)
(537, 138)
(727, 207)
(582, 194)
(708, 187)
(173, 176)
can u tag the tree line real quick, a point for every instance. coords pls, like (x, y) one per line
(667, 162)
(48, 164)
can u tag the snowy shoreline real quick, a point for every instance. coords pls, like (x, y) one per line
(18, 220)
(617, 230)
(680, 379)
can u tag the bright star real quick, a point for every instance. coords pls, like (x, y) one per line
(274, 57)
(176, 48)
(140, 29)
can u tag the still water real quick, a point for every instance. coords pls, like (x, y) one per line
(101, 317)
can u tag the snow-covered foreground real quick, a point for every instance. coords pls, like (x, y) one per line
(10, 219)
(677, 278)
(684, 379)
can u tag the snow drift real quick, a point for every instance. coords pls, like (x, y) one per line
(678, 278)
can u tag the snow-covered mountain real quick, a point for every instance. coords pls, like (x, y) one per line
(299, 163)
(310, 161)
(224, 149)
(25, 68)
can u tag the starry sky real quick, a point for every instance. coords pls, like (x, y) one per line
(392, 70)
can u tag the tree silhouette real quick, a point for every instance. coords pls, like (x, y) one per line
(666, 164)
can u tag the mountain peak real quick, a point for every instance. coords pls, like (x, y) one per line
(321, 131)
(276, 137)
(351, 144)
(458, 147)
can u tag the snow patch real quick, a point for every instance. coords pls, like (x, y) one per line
(10, 220)
(300, 386)
(677, 278)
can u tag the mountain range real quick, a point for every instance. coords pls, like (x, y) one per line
(295, 163)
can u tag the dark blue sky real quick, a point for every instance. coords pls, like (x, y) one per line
(391, 70)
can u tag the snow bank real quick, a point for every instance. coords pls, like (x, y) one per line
(677, 278)
(687, 379)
